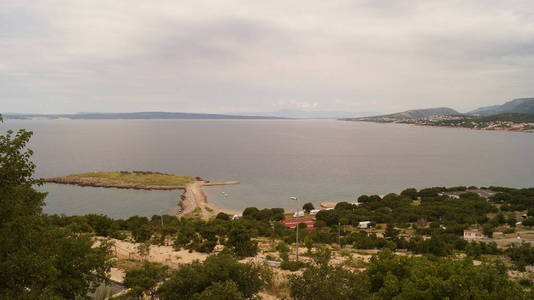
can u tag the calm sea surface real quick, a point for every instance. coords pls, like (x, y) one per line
(316, 160)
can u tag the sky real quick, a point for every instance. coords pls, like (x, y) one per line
(67, 56)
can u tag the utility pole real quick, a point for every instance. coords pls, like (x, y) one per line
(297, 227)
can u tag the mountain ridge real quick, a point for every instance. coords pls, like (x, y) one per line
(515, 106)
(519, 105)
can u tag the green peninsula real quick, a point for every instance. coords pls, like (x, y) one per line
(126, 179)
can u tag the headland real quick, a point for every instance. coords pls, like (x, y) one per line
(192, 201)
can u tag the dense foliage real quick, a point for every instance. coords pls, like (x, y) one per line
(390, 276)
(145, 280)
(38, 259)
(324, 281)
(220, 276)
(432, 205)
(397, 277)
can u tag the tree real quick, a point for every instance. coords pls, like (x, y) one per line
(250, 212)
(521, 255)
(330, 217)
(37, 259)
(144, 249)
(239, 240)
(102, 225)
(308, 207)
(202, 279)
(400, 277)
(223, 216)
(227, 290)
(142, 233)
(487, 230)
(324, 281)
(391, 233)
(411, 193)
(145, 279)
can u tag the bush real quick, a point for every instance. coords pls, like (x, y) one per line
(324, 281)
(218, 273)
(401, 277)
(292, 265)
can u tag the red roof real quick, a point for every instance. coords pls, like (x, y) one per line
(292, 223)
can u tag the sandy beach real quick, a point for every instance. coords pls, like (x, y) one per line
(195, 202)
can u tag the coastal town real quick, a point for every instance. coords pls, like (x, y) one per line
(471, 122)
(459, 121)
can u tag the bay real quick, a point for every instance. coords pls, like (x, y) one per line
(315, 160)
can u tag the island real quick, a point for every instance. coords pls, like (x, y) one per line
(192, 202)
(140, 180)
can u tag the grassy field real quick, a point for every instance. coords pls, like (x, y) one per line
(137, 177)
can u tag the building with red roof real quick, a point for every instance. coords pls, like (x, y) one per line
(292, 223)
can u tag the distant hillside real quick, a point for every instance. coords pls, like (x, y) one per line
(411, 114)
(482, 110)
(132, 116)
(520, 106)
(305, 114)
(509, 117)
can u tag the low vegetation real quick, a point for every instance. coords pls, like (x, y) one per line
(136, 177)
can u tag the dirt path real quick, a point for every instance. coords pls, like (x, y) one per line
(195, 202)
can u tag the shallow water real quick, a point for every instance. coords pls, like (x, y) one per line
(316, 160)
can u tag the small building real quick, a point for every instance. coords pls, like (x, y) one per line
(235, 217)
(313, 212)
(292, 224)
(472, 234)
(364, 224)
(298, 214)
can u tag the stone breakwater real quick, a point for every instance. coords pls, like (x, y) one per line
(94, 182)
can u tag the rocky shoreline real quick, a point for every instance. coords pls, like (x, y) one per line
(93, 182)
(192, 201)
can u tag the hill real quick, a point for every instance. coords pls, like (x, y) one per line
(410, 115)
(133, 116)
(520, 106)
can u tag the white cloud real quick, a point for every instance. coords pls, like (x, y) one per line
(209, 56)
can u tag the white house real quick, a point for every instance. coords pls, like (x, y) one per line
(298, 214)
(364, 224)
(313, 212)
(472, 234)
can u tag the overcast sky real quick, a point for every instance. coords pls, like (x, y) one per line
(252, 56)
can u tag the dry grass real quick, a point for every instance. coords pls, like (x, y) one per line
(127, 264)
(137, 177)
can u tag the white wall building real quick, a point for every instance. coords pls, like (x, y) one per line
(364, 224)
(472, 234)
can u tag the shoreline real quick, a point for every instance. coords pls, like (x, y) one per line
(109, 184)
(451, 127)
(191, 202)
